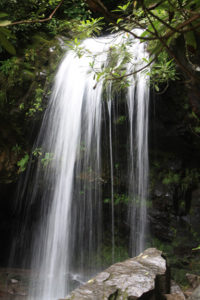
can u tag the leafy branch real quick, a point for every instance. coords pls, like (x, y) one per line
(9, 23)
(162, 24)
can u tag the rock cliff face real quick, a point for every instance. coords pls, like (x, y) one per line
(174, 178)
(143, 277)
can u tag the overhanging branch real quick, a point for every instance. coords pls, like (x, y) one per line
(37, 20)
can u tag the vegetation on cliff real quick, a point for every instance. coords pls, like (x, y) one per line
(30, 52)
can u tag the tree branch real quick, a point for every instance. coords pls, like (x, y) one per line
(160, 38)
(162, 21)
(137, 71)
(182, 25)
(37, 20)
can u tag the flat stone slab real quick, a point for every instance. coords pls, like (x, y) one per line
(125, 280)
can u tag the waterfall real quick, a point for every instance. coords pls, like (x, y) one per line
(109, 102)
(68, 183)
(138, 107)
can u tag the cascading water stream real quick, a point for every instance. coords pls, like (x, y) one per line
(138, 106)
(109, 102)
(68, 238)
(72, 118)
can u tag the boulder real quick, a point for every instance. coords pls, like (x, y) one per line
(193, 279)
(175, 292)
(174, 297)
(196, 294)
(143, 277)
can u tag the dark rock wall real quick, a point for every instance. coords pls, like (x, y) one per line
(174, 146)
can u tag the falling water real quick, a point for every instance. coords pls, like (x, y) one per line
(109, 102)
(138, 106)
(71, 131)
(68, 239)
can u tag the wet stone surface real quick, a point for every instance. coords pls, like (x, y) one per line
(14, 284)
(131, 279)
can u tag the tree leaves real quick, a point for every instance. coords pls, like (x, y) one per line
(23, 163)
(4, 23)
(5, 43)
(190, 39)
(6, 34)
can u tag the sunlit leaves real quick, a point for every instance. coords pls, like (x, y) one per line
(123, 8)
(89, 27)
(197, 248)
(119, 20)
(76, 46)
(4, 23)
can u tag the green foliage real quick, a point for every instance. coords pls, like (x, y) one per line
(37, 155)
(29, 56)
(37, 104)
(44, 157)
(90, 27)
(17, 149)
(115, 68)
(181, 262)
(6, 36)
(37, 152)
(5, 43)
(118, 199)
(48, 157)
(191, 178)
(162, 71)
(171, 178)
(123, 8)
(197, 248)
(121, 120)
(82, 30)
(10, 66)
(77, 48)
(193, 120)
(158, 22)
(22, 163)
(163, 25)
(17, 36)
(121, 254)
(190, 39)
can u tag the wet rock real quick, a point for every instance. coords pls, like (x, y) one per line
(187, 294)
(175, 292)
(142, 277)
(195, 210)
(174, 297)
(14, 281)
(159, 222)
(196, 294)
(14, 284)
(175, 288)
(194, 280)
